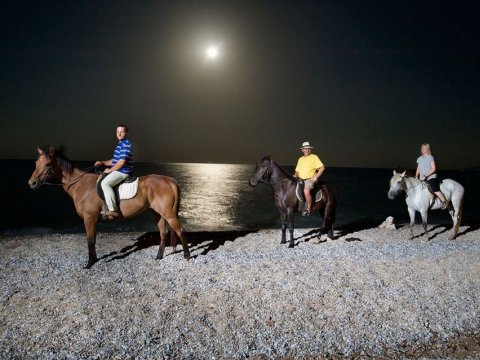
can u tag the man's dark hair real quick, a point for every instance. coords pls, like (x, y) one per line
(124, 126)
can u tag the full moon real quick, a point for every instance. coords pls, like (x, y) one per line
(212, 52)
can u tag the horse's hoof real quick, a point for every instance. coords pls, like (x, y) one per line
(283, 242)
(91, 262)
(290, 246)
(187, 257)
(159, 257)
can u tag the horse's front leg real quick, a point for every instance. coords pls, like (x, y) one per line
(283, 239)
(283, 219)
(291, 224)
(91, 229)
(424, 215)
(411, 213)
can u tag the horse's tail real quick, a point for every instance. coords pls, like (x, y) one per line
(333, 203)
(459, 216)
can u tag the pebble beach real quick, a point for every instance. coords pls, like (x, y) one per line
(369, 293)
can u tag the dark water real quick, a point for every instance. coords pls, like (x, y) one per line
(217, 197)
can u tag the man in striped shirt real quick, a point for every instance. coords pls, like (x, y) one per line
(118, 169)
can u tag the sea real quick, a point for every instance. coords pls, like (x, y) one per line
(218, 197)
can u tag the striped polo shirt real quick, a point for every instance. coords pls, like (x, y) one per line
(124, 151)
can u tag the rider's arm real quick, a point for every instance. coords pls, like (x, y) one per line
(318, 173)
(117, 166)
(433, 169)
(103, 162)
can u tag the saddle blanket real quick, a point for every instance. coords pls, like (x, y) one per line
(128, 190)
(301, 196)
(124, 191)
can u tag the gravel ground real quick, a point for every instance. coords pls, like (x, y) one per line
(369, 293)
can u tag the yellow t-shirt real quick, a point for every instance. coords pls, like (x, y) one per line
(307, 166)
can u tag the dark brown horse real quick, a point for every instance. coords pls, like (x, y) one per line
(157, 192)
(284, 194)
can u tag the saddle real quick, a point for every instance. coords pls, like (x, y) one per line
(428, 189)
(316, 192)
(127, 189)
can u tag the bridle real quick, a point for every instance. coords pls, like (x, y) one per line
(42, 179)
(267, 175)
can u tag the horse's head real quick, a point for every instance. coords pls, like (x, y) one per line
(262, 171)
(396, 184)
(46, 169)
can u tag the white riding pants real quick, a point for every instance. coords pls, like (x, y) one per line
(110, 181)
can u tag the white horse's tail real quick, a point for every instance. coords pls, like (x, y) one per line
(458, 214)
(454, 192)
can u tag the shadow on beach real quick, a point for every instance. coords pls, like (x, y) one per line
(359, 225)
(205, 240)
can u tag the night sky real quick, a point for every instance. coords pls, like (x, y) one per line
(365, 81)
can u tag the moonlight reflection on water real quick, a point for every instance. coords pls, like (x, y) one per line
(210, 193)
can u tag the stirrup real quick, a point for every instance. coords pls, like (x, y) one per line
(306, 212)
(110, 213)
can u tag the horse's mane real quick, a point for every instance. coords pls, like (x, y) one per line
(282, 170)
(62, 161)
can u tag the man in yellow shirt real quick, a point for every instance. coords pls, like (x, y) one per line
(309, 168)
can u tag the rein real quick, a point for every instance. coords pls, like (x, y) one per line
(77, 179)
(407, 189)
(46, 173)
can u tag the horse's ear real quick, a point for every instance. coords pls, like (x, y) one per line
(403, 174)
(51, 151)
(394, 172)
(40, 151)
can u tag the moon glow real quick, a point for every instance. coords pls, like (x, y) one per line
(212, 52)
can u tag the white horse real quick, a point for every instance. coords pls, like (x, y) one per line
(421, 200)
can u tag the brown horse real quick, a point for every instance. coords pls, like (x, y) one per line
(157, 192)
(284, 194)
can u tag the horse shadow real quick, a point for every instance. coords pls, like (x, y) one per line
(472, 226)
(312, 234)
(341, 231)
(205, 241)
(355, 226)
(432, 231)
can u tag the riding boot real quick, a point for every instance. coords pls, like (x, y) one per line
(108, 214)
(307, 211)
(113, 214)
